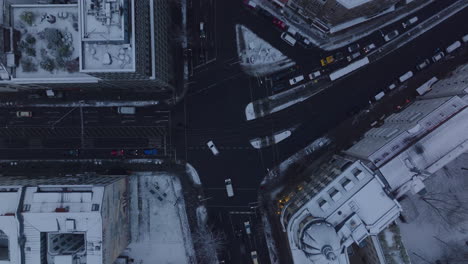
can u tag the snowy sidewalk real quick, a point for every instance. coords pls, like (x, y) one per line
(159, 226)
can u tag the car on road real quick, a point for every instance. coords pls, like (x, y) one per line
(406, 76)
(24, 114)
(202, 30)
(150, 152)
(409, 22)
(117, 153)
(280, 24)
(339, 56)
(379, 96)
(465, 38)
(229, 189)
(354, 47)
(296, 80)
(314, 75)
(126, 110)
(327, 60)
(265, 13)
(353, 56)
(247, 227)
(250, 3)
(212, 147)
(438, 56)
(423, 64)
(288, 38)
(254, 257)
(132, 152)
(391, 35)
(392, 86)
(369, 47)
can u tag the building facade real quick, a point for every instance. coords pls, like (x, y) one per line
(64, 219)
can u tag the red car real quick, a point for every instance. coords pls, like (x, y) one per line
(117, 153)
(280, 24)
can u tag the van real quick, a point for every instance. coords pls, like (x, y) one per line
(465, 38)
(288, 39)
(453, 47)
(229, 190)
(409, 22)
(126, 110)
(406, 76)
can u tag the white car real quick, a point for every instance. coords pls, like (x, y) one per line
(254, 257)
(391, 35)
(369, 47)
(229, 189)
(410, 22)
(296, 79)
(24, 114)
(212, 147)
(314, 75)
(438, 56)
(288, 38)
(247, 227)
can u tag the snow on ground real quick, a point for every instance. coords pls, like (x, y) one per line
(159, 225)
(93, 103)
(394, 250)
(270, 241)
(256, 56)
(437, 222)
(190, 170)
(259, 143)
(314, 146)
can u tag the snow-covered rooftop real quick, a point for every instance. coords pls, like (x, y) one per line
(9, 225)
(353, 3)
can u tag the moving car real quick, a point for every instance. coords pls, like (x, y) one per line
(423, 64)
(438, 56)
(369, 47)
(73, 152)
(247, 227)
(117, 153)
(327, 60)
(410, 22)
(379, 96)
(254, 257)
(212, 147)
(202, 30)
(353, 48)
(126, 110)
(453, 47)
(24, 114)
(392, 86)
(391, 35)
(229, 190)
(314, 75)
(288, 39)
(250, 3)
(296, 79)
(279, 23)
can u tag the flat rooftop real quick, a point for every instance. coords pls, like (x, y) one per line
(353, 3)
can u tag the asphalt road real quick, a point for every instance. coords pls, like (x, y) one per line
(219, 92)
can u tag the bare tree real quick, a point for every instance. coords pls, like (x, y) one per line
(454, 253)
(447, 205)
(208, 243)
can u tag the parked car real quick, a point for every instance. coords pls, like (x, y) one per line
(288, 38)
(117, 153)
(24, 114)
(250, 3)
(247, 227)
(296, 79)
(409, 22)
(406, 76)
(279, 23)
(314, 75)
(212, 147)
(423, 64)
(353, 56)
(354, 47)
(438, 56)
(369, 47)
(379, 96)
(150, 152)
(327, 60)
(391, 35)
(392, 86)
(339, 56)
